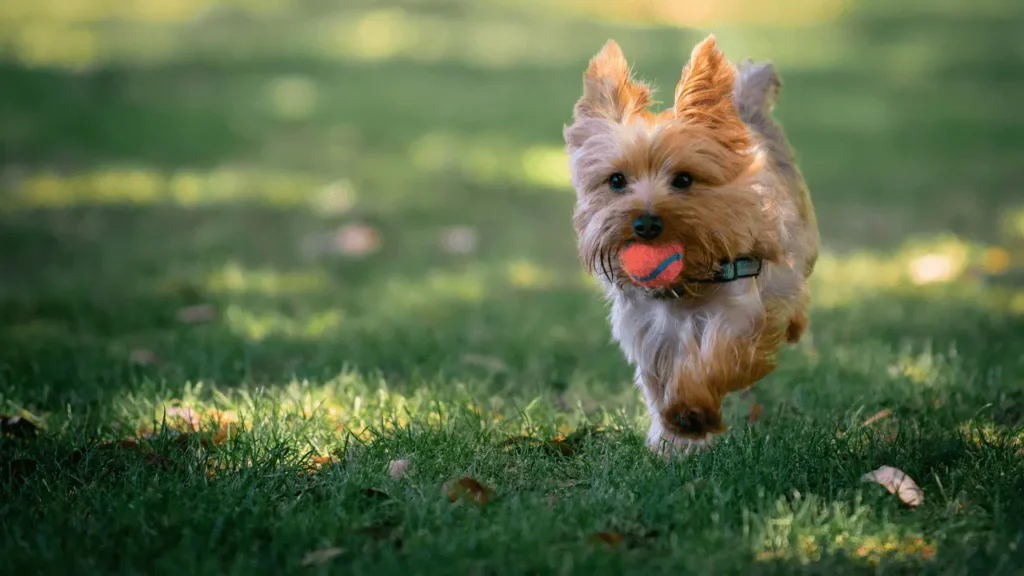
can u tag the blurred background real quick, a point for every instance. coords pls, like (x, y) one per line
(260, 190)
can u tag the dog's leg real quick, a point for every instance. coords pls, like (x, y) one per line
(688, 410)
(797, 326)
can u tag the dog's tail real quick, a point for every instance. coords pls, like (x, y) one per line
(757, 88)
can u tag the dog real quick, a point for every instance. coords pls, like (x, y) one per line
(716, 175)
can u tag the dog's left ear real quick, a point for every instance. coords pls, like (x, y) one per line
(704, 95)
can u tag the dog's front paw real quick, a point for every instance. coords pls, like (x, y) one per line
(668, 444)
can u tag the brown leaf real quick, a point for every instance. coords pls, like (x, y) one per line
(897, 482)
(184, 417)
(374, 494)
(17, 427)
(143, 357)
(317, 557)
(610, 538)
(154, 459)
(755, 412)
(396, 469)
(196, 314)
(467, 488)
(562, 447)
(882, 414)
(521, 441)
(317, 463)
(356, 240)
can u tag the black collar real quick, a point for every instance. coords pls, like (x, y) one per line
(734, 270)
(729, 271)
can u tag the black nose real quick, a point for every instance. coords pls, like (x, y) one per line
(647, 226)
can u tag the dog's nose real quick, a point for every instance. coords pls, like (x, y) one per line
(648, 226)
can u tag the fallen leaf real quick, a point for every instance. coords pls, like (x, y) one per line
(459, 240)
(17, 427)
(196, 314)
(396, 469)
(374, 494)
(143, 357)
(488, 362)
(755, 413)
(185, 416)
(879, 416)
(897, 482)
(609, 538)
(467, 488)
(356, 240)
(317, 557)
(319, 462)
(154, 459)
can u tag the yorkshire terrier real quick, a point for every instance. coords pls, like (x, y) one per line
(715, 176)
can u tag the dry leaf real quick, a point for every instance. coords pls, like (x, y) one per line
(397, 468)
(17, 426)
(374, 494)
(879, 416)
(609, 538)
(488, 362)
(897, 482)
(755, 413)
(317, 557)
(319, 462)
(184, 416)
(467, 488)
(356, 240)
(459, 240)
(143, 357)
(196, 314)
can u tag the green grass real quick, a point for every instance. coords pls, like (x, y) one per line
(192, 164)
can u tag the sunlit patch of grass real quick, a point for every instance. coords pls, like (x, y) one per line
(256, 326)
(428, 295)
(234, 278)
(490, 159)
(146, 185)
(331, 413)
(806, 528)
(925, 368)
(293, 97)
(941, 261)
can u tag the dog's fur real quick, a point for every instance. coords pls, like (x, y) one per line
(696, 342)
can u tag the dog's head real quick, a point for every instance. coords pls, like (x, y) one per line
(686, 175)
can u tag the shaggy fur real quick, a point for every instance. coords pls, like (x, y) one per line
(694, 342)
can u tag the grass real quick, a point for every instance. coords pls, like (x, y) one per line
(209, 381)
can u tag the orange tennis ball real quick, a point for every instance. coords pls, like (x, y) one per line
(652, 266)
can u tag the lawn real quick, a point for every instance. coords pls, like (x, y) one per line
(292, 288)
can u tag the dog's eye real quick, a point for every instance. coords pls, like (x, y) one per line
(682, 181)
(617, 182)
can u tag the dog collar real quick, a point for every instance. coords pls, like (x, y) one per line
(729, 271)
(734, 270)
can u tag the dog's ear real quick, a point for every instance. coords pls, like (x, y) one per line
(608, 90)
(704, 95)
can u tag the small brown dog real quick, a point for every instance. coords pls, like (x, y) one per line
(715, 176)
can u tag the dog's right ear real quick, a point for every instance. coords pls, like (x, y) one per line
(608, 90)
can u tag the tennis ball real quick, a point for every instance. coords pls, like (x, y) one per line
(652, 266)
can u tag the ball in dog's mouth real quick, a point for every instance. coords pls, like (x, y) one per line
(652, 266)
